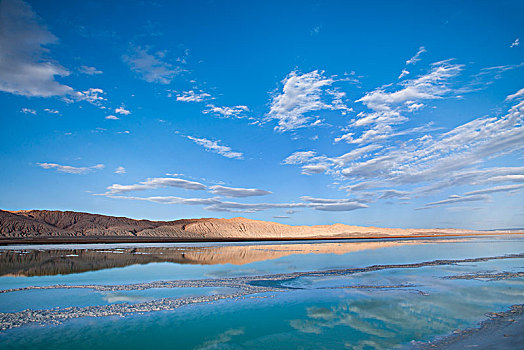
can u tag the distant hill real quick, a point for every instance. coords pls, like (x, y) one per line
(43, 226)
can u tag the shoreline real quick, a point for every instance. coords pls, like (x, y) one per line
(501, 330)
(116, 239)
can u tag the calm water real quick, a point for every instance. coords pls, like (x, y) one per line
(309, 311)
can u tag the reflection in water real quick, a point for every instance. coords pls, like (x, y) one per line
(66, 261)
(411, 290)
(222, 339)
(385, 321)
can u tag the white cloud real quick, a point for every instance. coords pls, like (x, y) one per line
(120, 170)
(476, 177)
(393, 194)
(459, 199)
(435, 161)
(311, 163)
(515, 43)
(153, 183)
(301, 95)
(216, 204)
(354, 154)
(170, 200)
(403, 74)
(51, 111)
(112, 117)
(347, 206)
(324, 204)
(25, 66)
(92, 95)
(310, 169)
(70, 169)
(314, 164)
(389, 108)
(237, 192)
(517, 94)
(192, 96)
(506, 178)
(122, 110)
(496, 189)
(416, 58)
(414, 106)
(28, 111)
(227, 112)
(302, 157)
(250, 207)
(215, 147)
(433, 85)
(89, 70)
(151, 67)
(429, 158)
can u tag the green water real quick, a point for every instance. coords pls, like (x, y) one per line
(314, 312)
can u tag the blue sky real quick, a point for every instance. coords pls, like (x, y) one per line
(376, 113)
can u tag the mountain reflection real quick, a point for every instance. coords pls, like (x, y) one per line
(32, 262)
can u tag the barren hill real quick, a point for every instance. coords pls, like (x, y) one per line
(45, 225)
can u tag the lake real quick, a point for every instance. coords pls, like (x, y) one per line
(356, 294)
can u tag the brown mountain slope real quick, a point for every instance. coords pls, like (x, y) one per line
(49, 225)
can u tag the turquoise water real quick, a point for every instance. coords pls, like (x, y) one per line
(314, 312)
(48, 299)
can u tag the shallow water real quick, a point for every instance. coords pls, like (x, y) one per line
(385, 308)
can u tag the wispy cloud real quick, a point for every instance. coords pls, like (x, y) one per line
(237, 192)
(217, 204)
(120, 170)
(25, 66)
(433, 85)
(226, 112)
(301, 95)
(28, 111)
(389, 107)
(403, 74)
(324, 204)
(169, 200)
(122, 110)
(112, 117)
(94, 96)
(427, 157)
(236, 207)
(433, 162)
(312, 163)
(488, 75)
(505, 188)
(153, 183)
(70, 169)
(459, 199)
(151, 67)
(387, 194)
(89, 70)
(516, 95)
(515, 43)
(192, 96)
(416, 58)
(215, 147)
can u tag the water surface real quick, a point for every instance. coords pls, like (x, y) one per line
(374, 309)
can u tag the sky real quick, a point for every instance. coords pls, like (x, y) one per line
(371, 113)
